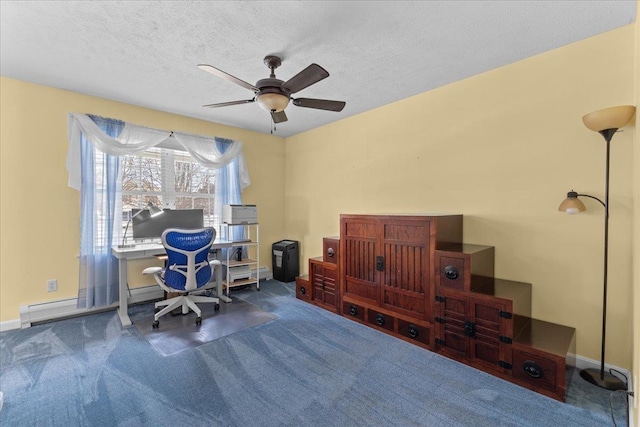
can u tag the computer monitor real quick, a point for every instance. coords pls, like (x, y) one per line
(146, 227)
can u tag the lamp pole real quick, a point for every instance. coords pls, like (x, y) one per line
(606, 122)
(602, 378)
(124, 236)
(607, 137)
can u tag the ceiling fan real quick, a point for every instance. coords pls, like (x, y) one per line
(273, 94)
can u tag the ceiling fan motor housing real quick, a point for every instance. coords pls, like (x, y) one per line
(272, 97)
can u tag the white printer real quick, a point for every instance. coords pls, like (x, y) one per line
(239, 272)
(239, 214)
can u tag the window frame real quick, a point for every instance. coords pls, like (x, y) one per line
(167, 196)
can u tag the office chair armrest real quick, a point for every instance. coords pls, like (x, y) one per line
(152, 270)
(214, 262)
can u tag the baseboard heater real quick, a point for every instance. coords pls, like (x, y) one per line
(34, 314)
(265, 273)
(55, 310)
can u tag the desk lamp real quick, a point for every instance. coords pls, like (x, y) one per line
(153, 211)
(606, 122)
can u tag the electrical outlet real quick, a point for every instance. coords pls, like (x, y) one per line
(52, 285)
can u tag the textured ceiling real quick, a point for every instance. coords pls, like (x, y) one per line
(145, 52)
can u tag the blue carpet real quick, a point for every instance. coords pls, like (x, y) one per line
(308, 367)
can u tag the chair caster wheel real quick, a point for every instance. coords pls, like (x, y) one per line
(156, 324)
(216, 307)
(198, 320)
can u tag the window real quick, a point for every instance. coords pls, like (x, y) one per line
(165, 175)
(169, 179)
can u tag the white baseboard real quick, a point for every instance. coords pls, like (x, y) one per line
(9, 325)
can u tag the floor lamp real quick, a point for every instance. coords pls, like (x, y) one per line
(606, 122)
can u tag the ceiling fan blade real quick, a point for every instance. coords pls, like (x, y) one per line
(226, 104)
(279, 117)
(305, 78)
(320, 104)
(226, 76)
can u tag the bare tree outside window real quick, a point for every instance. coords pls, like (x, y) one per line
(168, 179)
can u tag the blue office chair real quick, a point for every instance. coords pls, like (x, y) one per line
(187, 270)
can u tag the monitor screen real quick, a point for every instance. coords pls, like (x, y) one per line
(145, 227)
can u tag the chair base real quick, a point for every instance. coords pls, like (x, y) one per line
(186, 302)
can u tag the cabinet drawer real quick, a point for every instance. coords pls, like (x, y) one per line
(541, 353)
(304, 290)
(353, 310)
(464, 267)
(414, 331)
(381, 320)
(536, 370)
(330, 249)
(451, 273)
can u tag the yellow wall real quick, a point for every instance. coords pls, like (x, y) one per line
(33, 146)
(502, 148)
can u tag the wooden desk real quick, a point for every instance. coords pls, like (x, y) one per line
(150, 250)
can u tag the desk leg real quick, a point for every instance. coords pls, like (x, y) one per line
(219, 291)
(123, 310)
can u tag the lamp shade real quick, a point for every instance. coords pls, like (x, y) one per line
(572, 205)
(154, 210)
(609, 118)
(273, 101)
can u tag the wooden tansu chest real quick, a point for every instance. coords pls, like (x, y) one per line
(411, 276)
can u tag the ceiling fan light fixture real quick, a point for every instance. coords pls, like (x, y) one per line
(273, 101)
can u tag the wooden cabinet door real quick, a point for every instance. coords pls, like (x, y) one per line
(324, 285)
(486, 346)
(453, 326)
(473, 330)
(405, 276)
(359, 252)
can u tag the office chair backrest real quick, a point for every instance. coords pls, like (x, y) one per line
(188, 252)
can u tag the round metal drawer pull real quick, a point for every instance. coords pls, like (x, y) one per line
(303, 291)
(451, 272)
(353, 310)
(380, 320)
(330, 252)
(413, 331)
(533, 369)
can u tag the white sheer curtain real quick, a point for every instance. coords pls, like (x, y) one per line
(100, 211)
(100, 214)
(135, 138)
